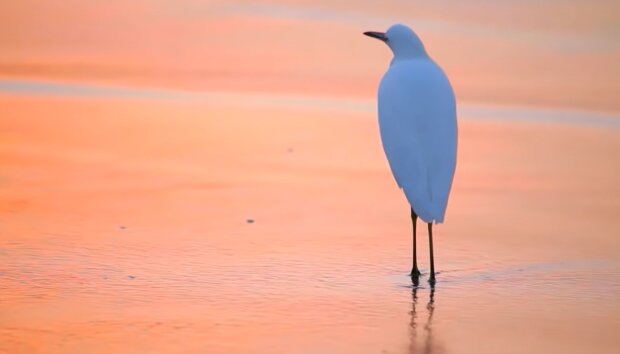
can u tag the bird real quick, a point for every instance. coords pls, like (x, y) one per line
(418, 128)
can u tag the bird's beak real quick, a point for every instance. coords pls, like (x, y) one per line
(378, 35)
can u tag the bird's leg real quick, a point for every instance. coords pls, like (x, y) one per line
(415, 272)
(430, 243)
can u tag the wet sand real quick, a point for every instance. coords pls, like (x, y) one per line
(126, 228)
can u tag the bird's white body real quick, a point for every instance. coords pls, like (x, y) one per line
(417, 120)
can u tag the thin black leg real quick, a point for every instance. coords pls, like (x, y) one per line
(415, 272)
(430, 243)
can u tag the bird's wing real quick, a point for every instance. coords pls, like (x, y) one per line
(417, 119)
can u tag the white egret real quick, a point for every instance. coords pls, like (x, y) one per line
(417, 120)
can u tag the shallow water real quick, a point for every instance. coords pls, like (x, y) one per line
(133, 235)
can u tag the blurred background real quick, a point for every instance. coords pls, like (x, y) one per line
(556, 53)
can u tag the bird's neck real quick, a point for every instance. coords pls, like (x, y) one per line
(404, 58)
(409, 52)
(409, 49)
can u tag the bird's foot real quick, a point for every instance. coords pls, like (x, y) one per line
(415, 272)
(432, 280)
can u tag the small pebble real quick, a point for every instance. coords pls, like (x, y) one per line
(250, 221)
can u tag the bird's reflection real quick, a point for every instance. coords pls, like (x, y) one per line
(422, 342)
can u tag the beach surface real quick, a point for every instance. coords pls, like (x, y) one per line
(186, 225)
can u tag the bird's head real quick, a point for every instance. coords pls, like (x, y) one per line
(403, 42)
